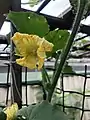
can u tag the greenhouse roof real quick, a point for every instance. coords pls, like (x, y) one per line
(53, 8)
(56, 8)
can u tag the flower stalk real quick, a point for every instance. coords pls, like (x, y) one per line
(64, 54)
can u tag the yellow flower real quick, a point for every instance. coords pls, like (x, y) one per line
(11, 111)
(32, 50)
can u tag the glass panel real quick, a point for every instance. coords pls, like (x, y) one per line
(3, 73)
(32, 76)
(86, 21)
(57, 8)
(5, 28)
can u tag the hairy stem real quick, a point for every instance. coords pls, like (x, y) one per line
(81, 6)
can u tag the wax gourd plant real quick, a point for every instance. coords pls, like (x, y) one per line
(35, 42)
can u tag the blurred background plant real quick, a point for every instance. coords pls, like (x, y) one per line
(74, 4)
(32, 3)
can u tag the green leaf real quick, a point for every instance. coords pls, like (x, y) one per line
(46, 111)
(68, 69)
(58, 38)
(2, 115)
(42, 111)
(29, 22)
(25, 112)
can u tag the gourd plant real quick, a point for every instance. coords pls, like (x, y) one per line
(31, 23)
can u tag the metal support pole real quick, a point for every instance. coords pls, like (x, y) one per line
(16, 75)
(16, 70)
(4, 8)
(17, 84)
(16, 5)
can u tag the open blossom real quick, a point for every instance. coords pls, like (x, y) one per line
(32, 50)
(11, 111)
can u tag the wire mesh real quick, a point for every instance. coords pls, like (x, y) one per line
(83, 109)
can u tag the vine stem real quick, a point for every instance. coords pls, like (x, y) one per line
(64, 54)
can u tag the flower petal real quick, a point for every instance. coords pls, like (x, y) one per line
(29, 61)
(18, 41)
(34, 42)
(21, 61)
(40, 63)
(47, 45)
(11, 111)
(32, 48)
(41, 52)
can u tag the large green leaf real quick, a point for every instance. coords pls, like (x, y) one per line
(58, 38)
(29, 22)
(25, 111)
(45, 111)
(2, 115)
(68, 69)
